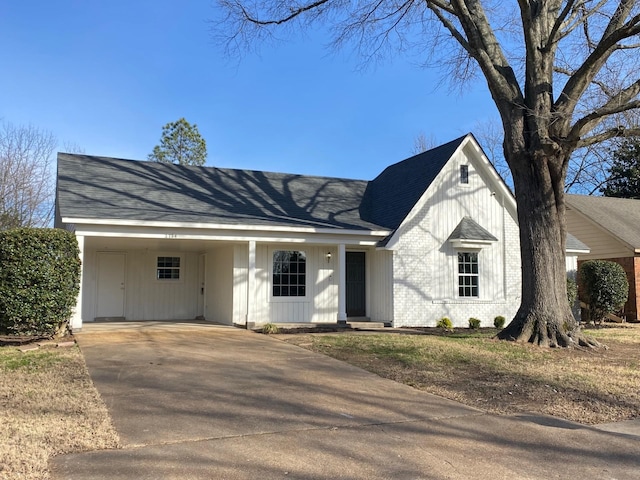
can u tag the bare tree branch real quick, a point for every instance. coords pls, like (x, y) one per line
(608, 134)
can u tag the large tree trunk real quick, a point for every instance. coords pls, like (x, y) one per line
(544, 317)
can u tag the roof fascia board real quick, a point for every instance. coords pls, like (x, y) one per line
(224, 235)
(576, 251)
(212, 226)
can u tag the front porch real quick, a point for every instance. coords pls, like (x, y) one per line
(228, 282)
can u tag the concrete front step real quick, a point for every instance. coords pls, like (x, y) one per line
(364, 325)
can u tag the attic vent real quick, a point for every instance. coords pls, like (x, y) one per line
(464, 174)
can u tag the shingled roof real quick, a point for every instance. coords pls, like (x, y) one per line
(389, 198)
(468, 229)
(618, 216)
(91, 187)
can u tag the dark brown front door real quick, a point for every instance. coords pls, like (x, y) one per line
(355, 273)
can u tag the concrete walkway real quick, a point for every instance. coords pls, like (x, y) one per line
(213, 402)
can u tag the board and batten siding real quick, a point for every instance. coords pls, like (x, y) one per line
(601, 243)
(146, 298)
(240, 273)
(320, 305)
(426, 265)
(380, 282)
(219, 285)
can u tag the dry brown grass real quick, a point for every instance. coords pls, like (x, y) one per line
(48, 406)
(585, 386)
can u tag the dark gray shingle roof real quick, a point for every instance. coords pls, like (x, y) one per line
(390, 197)
(108, 188)
(101, 187)
(468, 229)
(619, 216)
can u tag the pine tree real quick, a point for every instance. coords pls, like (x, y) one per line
(181, 143)
(624, 174)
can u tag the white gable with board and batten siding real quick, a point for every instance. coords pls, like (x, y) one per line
(436, 275)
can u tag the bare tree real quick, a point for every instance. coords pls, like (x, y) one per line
(557, 70)
(588, 167)
(422, 143)
(490, 135)
(26, 176)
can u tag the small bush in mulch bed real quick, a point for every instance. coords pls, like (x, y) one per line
(292, 330)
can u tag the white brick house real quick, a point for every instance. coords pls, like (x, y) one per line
(434, 235)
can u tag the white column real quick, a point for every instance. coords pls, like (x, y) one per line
(251, 285)
(76, 316)
(342, 283)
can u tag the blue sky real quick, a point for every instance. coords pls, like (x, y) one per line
(107, 75)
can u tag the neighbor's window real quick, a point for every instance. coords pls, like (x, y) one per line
(464, 174)
(289, 273)
(168, 268)
(468, 274)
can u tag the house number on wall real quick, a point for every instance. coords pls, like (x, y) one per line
(171, 235)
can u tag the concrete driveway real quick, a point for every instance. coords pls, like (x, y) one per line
(212, 402)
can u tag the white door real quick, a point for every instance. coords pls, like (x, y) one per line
(110, 302)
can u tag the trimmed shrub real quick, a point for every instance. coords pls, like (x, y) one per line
(39, 280)
(572, 291)
(605, 287)
(499, 322)
(474, 323)
(445, 323)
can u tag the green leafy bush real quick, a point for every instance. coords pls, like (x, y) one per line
(572, 291)
(605, 286)
(445, 323)
(39, 280)
(499, 322)
(474, 323)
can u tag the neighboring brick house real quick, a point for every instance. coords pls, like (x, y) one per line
(434, 235)
(611, 228)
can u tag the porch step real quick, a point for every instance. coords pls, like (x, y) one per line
(364, 325)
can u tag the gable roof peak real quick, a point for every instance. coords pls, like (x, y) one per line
(390, 196)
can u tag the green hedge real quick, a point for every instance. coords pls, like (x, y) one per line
(39, 280)
(605, 286)
(572, 291)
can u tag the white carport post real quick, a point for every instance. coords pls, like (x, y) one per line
(76, 316)
(342, 283)
(251, 285)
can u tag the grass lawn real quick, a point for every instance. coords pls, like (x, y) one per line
(48, 406)
(502, 377)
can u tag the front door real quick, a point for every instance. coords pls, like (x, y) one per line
(110, 301)
(356, 288)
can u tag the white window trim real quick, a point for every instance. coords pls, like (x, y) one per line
(165, 281)
(281, 299)
(477, 275)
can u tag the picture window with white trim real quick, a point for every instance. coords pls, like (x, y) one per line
(289, 273)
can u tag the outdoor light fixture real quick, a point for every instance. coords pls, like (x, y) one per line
(328, 257)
